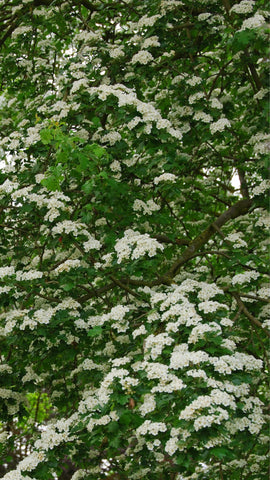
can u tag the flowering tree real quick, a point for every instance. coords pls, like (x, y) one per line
(133, 277)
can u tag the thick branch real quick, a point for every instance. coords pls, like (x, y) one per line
(255, 75)
(227, 6)
(251, 318)
(243, 183)
(240, 208)
(125, 287)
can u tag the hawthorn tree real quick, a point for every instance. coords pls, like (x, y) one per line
(134, 294)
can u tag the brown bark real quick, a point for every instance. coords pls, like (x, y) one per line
(240, 208)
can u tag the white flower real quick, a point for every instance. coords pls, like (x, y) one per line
(8, 186)
(83, 82)
(115, 166)
(176, 133)
(253, 22)
(44, 316)
(111, 137)
(146, 21)
(28, 275)
(134, 245)
(92, 244)
(246, 6)
(245, 277)
(210, 306)
(199, 331)
(133, 123)
(39, 177)
(203, 16)
(147, 208)
(149, 404)
(21, 30)
(215, 103)
(6, 271)
(78, 475)
(194, 81)
(261, 188)
(260, 94)
(181, 357)
(196, 96)
(220, 125)
(66, 266)
(171, 445)
(152, 428)
(139, 331)
(117, 52)
(236, 239)
(118, 313)
(156, 343)
(31, 461)
(142, 57)
(165, 177)
(204, 117)
(151, 42)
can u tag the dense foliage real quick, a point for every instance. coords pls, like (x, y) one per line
(134, 288)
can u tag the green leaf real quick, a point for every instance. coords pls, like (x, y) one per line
(95, 331)
(51, 183)
(222, 453)
(68, 286)
(84, 162)
(46, 136)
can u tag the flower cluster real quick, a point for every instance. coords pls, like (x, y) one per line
(135, 245)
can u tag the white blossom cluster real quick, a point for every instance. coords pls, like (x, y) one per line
(202, 116)
(77, 228)
(146, 207)
(148, 405)
(236, 239)
(146, 349)
(116, 316)
(181, 357)
(6, 272)
(151, 428)
(220, 125)
(261, 188)
(127, 96)
(23, 276)
(216, 398)
(111, 137)
(54, 201)
(151, 42)
(165, 177)
(171, 445)
(66, 266)
(245, 6)
(154, 344)
(8, 186)
(210, 306)
(135, 245)
(253, 22)
(215, 103)
(142, 57)
(245, 277)
(195, 97)
(144, 21)
(117, 52)
(198, 332)
(204, 16)
(21, 30)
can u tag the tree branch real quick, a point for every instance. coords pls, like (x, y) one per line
(252, 319)
(240, 208)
